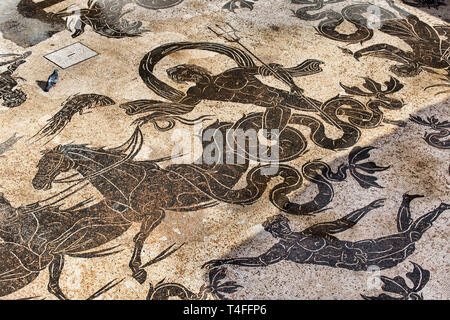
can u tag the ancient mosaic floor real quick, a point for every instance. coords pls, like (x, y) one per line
(205, 149)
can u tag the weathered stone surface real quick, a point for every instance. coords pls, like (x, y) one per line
(92, 104)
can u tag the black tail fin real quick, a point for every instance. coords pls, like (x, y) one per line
(355, 158)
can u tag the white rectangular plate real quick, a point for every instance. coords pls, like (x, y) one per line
(71, 55)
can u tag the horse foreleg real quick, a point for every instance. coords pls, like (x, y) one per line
(150, 223)
(55, 268)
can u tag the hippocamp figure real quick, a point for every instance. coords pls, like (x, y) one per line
(142, 191)
(429, 50)
(317, 244)
(36, 237)
(430, 45)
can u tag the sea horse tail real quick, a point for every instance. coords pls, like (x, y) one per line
(355, 15)
(359, 116)
(303, 13)
(350, 133)
(321, 174)
(257, 180)
(435, 139)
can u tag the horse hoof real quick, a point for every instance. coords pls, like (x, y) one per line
(140, 276)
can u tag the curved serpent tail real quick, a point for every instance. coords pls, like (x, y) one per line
(321, 174)
(258, 179)
(435, 139)
(303, 14)
(355, 15)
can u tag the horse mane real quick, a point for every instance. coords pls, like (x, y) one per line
(36, 207)
(127, 151)
(70, 147)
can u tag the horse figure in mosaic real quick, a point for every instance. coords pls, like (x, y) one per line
(39, 236)
(142, 191)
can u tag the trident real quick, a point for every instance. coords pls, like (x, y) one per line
(233, 37)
